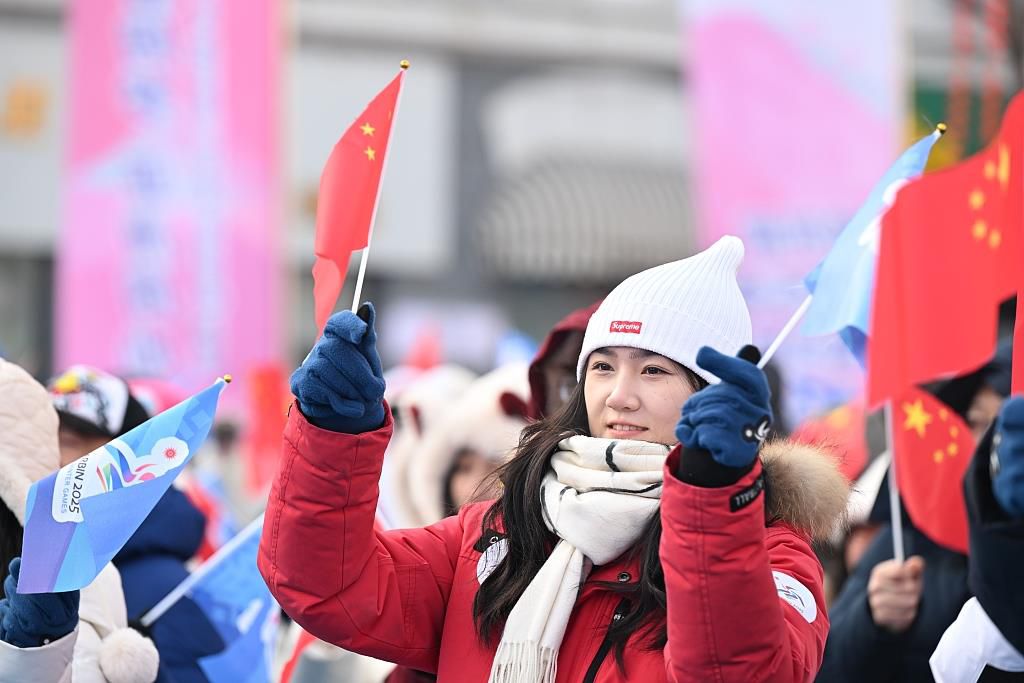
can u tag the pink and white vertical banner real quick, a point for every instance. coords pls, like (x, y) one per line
(797, 110)
(167, 262)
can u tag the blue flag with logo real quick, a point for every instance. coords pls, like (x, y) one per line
(80, 517)
(229, 589)
(842, 284)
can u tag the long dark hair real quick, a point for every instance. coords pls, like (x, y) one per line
(11, 535)
(518, 510)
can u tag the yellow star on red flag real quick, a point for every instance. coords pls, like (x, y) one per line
(930, 466)
(949, 255)
(349, 189)
(995, 169)
(917, 418)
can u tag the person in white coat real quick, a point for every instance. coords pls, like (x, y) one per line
(100, 648)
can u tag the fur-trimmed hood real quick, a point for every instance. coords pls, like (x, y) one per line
(487, 417)
(29, 449)
(418, 407)
(804, 488)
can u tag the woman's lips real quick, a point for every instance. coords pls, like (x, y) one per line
(623, 430)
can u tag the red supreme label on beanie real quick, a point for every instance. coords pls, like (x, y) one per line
(628, 326)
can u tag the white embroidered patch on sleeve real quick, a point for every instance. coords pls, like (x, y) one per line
(797, 595)
(490, 559)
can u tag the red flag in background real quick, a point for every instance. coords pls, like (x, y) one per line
(843, 433)
(349, 187)
(304, 640)
(267, 400)
(427, 348)
(933, 447)
(950, 253)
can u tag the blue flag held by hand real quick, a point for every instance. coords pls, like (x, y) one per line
(842, 284)
(231, 592)
(79, 517)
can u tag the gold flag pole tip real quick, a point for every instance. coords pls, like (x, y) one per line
(404, 64)
(227, 379)
(941, 128)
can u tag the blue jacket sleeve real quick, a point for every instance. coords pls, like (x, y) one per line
(997, 550)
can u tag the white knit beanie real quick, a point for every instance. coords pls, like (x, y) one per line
(676, 308)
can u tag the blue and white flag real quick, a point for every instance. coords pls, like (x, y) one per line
(842, 284)
(231, 592)
(80, 517)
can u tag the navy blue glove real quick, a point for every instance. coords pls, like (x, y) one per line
(1008, 458)
(340, 385)
(31, 620)
(730, 419)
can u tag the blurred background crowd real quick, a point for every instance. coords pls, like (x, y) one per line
(541, 154)
(161, 162)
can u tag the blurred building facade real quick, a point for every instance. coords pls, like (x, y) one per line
(540, 154)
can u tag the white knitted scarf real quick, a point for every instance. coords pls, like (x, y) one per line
(597, 497)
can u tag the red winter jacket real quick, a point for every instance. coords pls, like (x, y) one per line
(745, 600)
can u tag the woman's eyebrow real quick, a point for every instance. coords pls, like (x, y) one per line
(634, 354)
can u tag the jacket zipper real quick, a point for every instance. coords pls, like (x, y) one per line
(606, 644)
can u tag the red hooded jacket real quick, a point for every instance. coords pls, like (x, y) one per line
(574, 322)
(745, 600)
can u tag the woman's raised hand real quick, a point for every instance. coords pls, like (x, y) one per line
(340, 385)
(732, 418)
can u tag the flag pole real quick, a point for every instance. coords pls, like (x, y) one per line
(365, 255)
(940, 130)
(895, 513)
(786, 329)
(168, 601)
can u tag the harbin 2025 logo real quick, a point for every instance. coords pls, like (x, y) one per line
(112, 466)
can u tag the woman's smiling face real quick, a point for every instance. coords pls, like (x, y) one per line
(634, 394)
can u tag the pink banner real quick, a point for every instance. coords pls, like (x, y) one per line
(797, 112)
(168, 256)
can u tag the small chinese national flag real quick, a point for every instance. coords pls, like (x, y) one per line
(349, 187)
(933, 447)
(951, 251)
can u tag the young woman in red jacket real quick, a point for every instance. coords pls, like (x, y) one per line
(643, 532)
